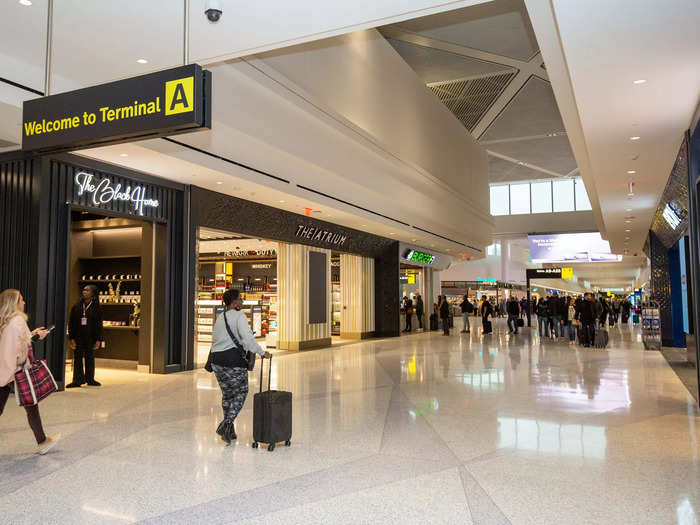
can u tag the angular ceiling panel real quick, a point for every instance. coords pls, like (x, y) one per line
(505, 171)
(469, 100)
(435, 65)
(532, 112)
(551, 153)
(501, 27)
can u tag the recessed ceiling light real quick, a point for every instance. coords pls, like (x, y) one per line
(628, 221)
(124, 155)
(25, 2)
(219, 182)
(282, 201)
(414, 240)
(640, 81)
(392, 233)
(628, 209)
(627, 231)
(635, 138)
(142, 61)
(631, 172)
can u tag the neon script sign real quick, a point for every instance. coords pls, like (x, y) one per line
(103, 192)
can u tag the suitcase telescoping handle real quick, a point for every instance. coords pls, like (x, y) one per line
(269, 376)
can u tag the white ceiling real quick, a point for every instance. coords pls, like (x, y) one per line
(594, 51)
(519, 122)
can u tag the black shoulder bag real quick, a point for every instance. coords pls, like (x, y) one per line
(248, 357)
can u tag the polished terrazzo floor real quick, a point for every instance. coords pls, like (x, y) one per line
(418, 429)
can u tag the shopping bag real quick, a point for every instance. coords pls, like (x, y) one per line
(34, 383)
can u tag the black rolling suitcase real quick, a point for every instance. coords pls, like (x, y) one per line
(433, 322)
(272, 414)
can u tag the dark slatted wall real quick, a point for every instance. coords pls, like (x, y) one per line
(18, 227)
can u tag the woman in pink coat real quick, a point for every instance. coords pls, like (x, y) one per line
(15, 338)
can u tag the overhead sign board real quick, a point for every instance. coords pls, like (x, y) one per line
(168, 102)
(570, 248)
(543, 273)
(567, 273)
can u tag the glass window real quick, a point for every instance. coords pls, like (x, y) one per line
(541, 197)
(499, 200)
(582, 200)
(563, 192)
(519, 198)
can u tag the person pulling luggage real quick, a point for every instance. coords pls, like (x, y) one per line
(231, 339)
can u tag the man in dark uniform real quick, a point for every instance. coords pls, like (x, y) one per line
(85, 335)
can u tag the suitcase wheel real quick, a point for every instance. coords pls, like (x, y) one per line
(255, 444)
(271, 447)
(288, 443)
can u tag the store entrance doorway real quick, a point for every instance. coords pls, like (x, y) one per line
(230, 260)
(112, 257)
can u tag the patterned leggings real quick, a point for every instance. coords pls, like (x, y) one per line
(234, 389)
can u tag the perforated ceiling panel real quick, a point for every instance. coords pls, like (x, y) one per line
(436, 65)
(469, 100)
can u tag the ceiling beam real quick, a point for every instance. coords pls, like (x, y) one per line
(553, 174)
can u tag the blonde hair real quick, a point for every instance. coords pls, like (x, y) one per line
(9, 307)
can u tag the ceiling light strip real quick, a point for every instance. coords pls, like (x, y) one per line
(353, 205)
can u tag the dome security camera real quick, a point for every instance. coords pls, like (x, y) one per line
(213, 9)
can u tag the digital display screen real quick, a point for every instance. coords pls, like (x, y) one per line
(570, 248)
(421, 257)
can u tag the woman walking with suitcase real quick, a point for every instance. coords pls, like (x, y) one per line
(231, 339)
(15, 339)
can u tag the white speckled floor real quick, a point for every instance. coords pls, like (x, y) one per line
(418, 429)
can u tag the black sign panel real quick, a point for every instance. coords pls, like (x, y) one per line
(543, 273)
(164, 103)
(318, 305)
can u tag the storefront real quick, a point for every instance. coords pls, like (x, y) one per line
(304, 280)
(69, 222)
(419, 276)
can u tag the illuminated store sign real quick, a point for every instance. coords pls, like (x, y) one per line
(321, 235)
(102, 192)
(421, 257)
(266, 266)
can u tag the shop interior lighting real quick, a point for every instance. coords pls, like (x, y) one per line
(142, 61)
(630, 188)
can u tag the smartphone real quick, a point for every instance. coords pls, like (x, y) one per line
(51, 328)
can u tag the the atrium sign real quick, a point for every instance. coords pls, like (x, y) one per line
(103, 192)
(165, 103)
(321, 235)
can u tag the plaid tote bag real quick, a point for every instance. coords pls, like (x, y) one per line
(34, 382)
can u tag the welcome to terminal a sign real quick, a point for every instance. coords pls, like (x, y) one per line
(168, 102)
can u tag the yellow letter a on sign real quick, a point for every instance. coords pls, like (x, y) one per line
(179, 96)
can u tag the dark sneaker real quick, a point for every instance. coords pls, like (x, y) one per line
(73, 385)
(94, 383)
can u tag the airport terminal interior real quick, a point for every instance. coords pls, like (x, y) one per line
(397, 262)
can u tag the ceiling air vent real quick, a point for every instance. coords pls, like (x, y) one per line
(470, 99)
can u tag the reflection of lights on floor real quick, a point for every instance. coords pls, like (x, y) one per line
(685, 513)
(109, 514)
(587, 441)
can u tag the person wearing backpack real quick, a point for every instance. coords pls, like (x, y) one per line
(467, 308)
(231, 339)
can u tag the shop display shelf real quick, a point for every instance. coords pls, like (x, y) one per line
(106, 257)
(109, 280)
(134, 328)
(119, 304)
